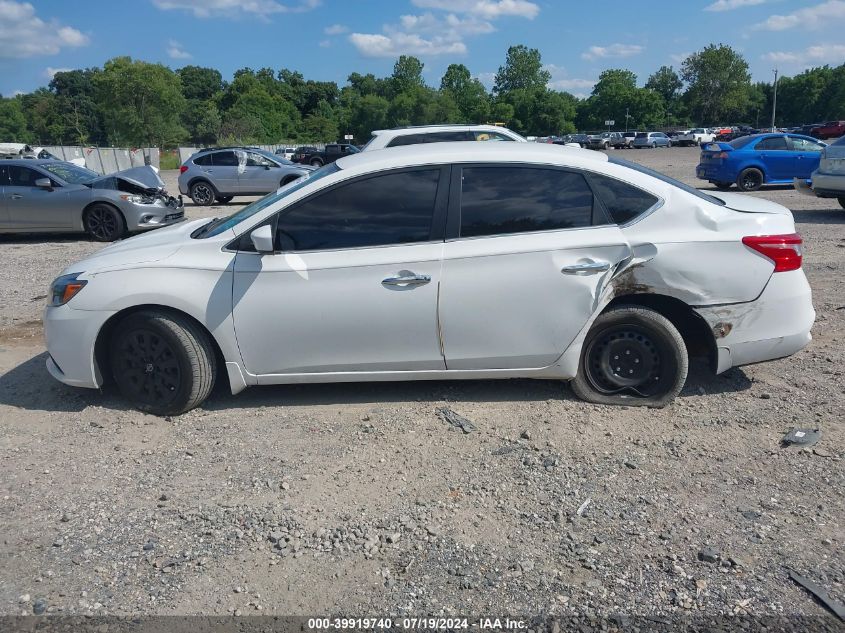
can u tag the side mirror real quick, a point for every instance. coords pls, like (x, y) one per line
(262, 239)
(44, 183)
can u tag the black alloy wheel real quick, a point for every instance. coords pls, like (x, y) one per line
(750, 179)
(104, 223)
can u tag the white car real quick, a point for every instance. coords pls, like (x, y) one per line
(286, 152)
(418, 135)
(695, 136)
(449, 260)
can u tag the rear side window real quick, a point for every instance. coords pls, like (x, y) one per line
(395, 208)
(224, 159)
(4, 175)
(624, 202)
(432, 137)
(203, 161)
(502, 200)
(776, 143)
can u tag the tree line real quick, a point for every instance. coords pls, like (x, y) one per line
(136, 103)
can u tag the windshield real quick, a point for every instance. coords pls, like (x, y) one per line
(70, 173)
(220, 225)
(665, 178)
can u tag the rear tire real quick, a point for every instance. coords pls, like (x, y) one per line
(163, 363)
(316, 163)
(750, 179)
(631, 356)
(202, 193)
(104, 223)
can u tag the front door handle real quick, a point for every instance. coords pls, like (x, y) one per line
(16, 196)
(587, 268)
(406, 280)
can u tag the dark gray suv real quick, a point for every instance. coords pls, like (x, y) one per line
(222, 173)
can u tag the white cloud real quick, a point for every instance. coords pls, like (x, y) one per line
(377, 45)
(730, 5)
(819, 54)
(175, 51)
(335, 29)
(486, 9)
(560, 80)
(325, 43)
(822, 15)
(217, 8)
(50, 72)
(614, 50)
(24, 34)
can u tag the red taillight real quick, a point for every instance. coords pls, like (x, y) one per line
(183, 169)
(784, 250)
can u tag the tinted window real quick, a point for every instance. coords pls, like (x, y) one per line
(432, 137)
(390, 209)
(663, 177)
(204, 160)
(772, 143)
(4, 175)
(498, 200)
(23, 176)
(624, 202)
(332, 149)
(642, 135)
(225, 159)
(741, 142)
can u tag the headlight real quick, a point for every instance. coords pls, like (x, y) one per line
(130, 198)
(65, 288)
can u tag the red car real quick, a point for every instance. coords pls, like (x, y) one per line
(831, 129)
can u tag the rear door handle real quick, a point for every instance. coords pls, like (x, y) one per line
(406, 280)
(587, 268)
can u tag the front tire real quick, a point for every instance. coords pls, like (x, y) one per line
(162, 363)
(104, 223)
(202, 193)
(631, 356)
(750, 179)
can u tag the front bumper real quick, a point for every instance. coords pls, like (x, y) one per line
(71, 335)
(828, 185)
(143, 217)
(775, 325)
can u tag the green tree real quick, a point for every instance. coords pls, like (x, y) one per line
(13, 127)
(469, 94)
(77, 108)
(667, 83)
(42, 117)
(719, 84)
(141, 103)
(523, 69)
(407, 74)
(199, 83)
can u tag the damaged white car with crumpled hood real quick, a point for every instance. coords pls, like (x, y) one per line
(442, 261)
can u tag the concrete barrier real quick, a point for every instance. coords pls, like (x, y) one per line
(105, 160)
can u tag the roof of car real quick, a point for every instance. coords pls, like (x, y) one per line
(456, 152)
(439, 127)
(33, 161)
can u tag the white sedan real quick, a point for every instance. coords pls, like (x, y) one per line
(446, 260)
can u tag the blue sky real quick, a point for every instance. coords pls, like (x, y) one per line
(328, 39)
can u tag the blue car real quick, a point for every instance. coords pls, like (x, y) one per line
(759, 159)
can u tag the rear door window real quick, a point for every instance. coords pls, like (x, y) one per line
(773, 143)
(224, 159)
(513, 199)
(623, 202)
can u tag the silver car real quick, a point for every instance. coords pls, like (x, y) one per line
(56, 196)
(221, 174)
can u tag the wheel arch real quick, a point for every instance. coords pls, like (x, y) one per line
(698, 337)
(101, 343)
(97, 201)
(197, 179)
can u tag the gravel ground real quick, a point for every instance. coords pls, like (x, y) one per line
(359, 499)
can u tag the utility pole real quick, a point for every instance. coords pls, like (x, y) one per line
(627, 116)
(775, 100)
